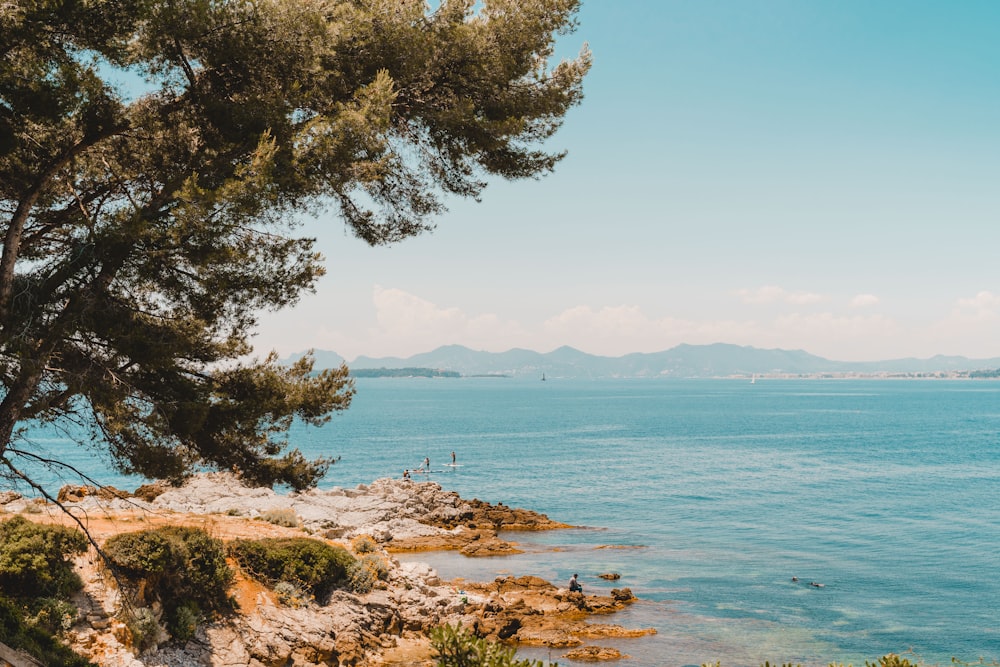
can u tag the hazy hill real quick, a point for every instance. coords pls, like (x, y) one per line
(717, 360)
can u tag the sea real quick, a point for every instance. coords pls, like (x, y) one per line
(806, 521)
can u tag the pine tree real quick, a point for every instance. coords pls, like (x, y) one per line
(145, 228)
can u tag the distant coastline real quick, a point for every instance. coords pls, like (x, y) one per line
(403, 373)
(943, 375)
(719, 360)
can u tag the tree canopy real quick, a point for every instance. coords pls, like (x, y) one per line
(146, 228)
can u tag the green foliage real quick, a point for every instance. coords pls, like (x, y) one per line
(143, 627)
(887, 660)
(454, 646)
(292, 595)
(890, 660)
(184, 569)
(36, 577)
(364, 544)
(143, 233)
(310, 564)
(19, 632)
(53, 615)
(182, 621)
(364, 574)
(35, 559)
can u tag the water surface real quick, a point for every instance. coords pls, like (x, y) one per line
(884, 491)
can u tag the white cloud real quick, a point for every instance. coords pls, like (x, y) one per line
(766, 294)
(774, 294)
(617, 330)
(408, 324)
(607, 322)
(985, 306)
(840, 337)
(803, 298)
(972, 328)
(816, 326)
(864, 301)
(399, 323)
(401, 313)
(613, 330)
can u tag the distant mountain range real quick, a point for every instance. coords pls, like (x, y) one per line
(683, 361)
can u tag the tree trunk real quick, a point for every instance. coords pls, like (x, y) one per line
(9, 656)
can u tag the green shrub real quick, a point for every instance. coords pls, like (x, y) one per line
(52, 615)
(142, 626)
(183, 620)
(184, 569)
(360, 579)
(19, 633)
(364, 544)
(890, 660)
(454, 646)
(35, 560)
(887, 660)
(291, 595)
(143, 553)
(311, 564)
(36, 577)
(364, 574)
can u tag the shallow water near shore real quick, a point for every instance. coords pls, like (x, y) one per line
(708, 496)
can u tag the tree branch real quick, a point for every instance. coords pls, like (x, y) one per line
(15, 229)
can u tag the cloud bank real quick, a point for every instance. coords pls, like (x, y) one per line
(848, 327)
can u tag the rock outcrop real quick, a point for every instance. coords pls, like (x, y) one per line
(348, 629)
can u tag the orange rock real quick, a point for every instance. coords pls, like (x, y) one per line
(594, 654)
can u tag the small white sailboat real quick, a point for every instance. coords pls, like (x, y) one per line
(753, 379)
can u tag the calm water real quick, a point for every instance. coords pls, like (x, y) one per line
(886, 492)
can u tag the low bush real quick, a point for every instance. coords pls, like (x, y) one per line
(364, 574)
(454, 646)
(281, 517)
(143, 627)
(310, 564)
(183, 569)
(52, 614)
(36, 560)
(19, 632)
(364, 544)
(291, 595)
(183, 620)
(36, 579)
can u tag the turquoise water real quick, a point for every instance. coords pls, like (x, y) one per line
(886, 492)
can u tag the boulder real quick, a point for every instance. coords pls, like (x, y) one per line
(594, 654)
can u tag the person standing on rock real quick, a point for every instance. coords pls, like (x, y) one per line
(574, 585)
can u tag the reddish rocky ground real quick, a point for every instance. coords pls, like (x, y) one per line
(388, 626)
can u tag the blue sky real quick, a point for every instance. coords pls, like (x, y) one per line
(806, 175)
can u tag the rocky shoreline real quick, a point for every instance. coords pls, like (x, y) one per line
(388, 626)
